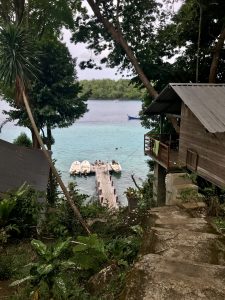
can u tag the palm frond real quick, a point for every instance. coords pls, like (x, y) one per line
(18, 57)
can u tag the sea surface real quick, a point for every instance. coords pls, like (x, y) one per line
(104, 133)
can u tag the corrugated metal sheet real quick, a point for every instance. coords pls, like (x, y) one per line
(19, 165)
(206, 101)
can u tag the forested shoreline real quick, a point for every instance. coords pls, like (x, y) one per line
(109, 89)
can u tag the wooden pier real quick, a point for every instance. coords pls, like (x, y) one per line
(105, 187)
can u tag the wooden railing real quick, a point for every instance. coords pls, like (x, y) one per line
(159, 147)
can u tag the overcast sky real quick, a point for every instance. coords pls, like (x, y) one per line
(80, 52)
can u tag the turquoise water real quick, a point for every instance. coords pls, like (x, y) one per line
(103, 133)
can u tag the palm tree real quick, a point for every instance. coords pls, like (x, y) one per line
(17, 68)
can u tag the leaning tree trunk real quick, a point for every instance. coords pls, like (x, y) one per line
(35, 143)
(216, 57)
(63, 187)
(118, 37)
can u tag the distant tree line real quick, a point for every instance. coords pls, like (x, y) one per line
(112, 89)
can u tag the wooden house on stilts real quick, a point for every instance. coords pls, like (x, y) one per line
(197, 112)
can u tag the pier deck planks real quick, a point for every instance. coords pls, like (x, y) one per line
(105, 187)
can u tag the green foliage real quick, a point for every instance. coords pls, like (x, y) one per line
(23, 140)
(190, 195)
(7, 231)
(220, 223)
(90, 253)
(6, 267)
(143, 196)
(52, 188)
(111, 89)
(48, 268)
(124, 249)
(17, 55)
(60, 221)
(56, 97)
(19, 212)
(42, 17)
(139, 15)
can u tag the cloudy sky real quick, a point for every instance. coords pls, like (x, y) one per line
(80, 52)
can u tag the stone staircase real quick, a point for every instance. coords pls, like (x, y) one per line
(182, 257)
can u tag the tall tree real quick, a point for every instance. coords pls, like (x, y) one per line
(165, 46)
(123, 21)
(56, 96)
(17, 55)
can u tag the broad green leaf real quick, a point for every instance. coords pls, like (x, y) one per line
(91, 241)
(80, 248)
(137, 229)
(6, 206)
(31, 265)
(22, 190)
(68, 264)
(59, 282)
(60, 247)
(86, 261)
(17, 282)
(45, 269)
(40, 247)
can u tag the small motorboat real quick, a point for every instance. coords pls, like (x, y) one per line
(85, 167)
(133, 118)
(75, 168)
(116, 167)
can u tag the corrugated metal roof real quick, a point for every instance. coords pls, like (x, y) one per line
(21, 164)
(206, 101)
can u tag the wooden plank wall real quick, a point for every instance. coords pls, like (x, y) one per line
(210, 148)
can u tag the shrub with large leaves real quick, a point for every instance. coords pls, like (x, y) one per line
(48, 269)
(90, 252)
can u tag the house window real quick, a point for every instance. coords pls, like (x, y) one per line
(192, 160)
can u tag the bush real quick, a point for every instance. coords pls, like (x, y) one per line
(60, 220)
(23, 140)
(19, 212)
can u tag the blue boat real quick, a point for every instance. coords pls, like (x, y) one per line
(133, 118)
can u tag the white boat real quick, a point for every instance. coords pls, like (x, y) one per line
(75, 168)
(85, 167)
(116, 167)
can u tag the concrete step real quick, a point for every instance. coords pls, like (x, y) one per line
(180, 244)
(173, 217)
(154, 277)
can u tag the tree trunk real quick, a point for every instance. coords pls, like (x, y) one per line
(35, 143)
(51, 185)
(216, 56)
(118, 37)
(63, 187)
(49, 138)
